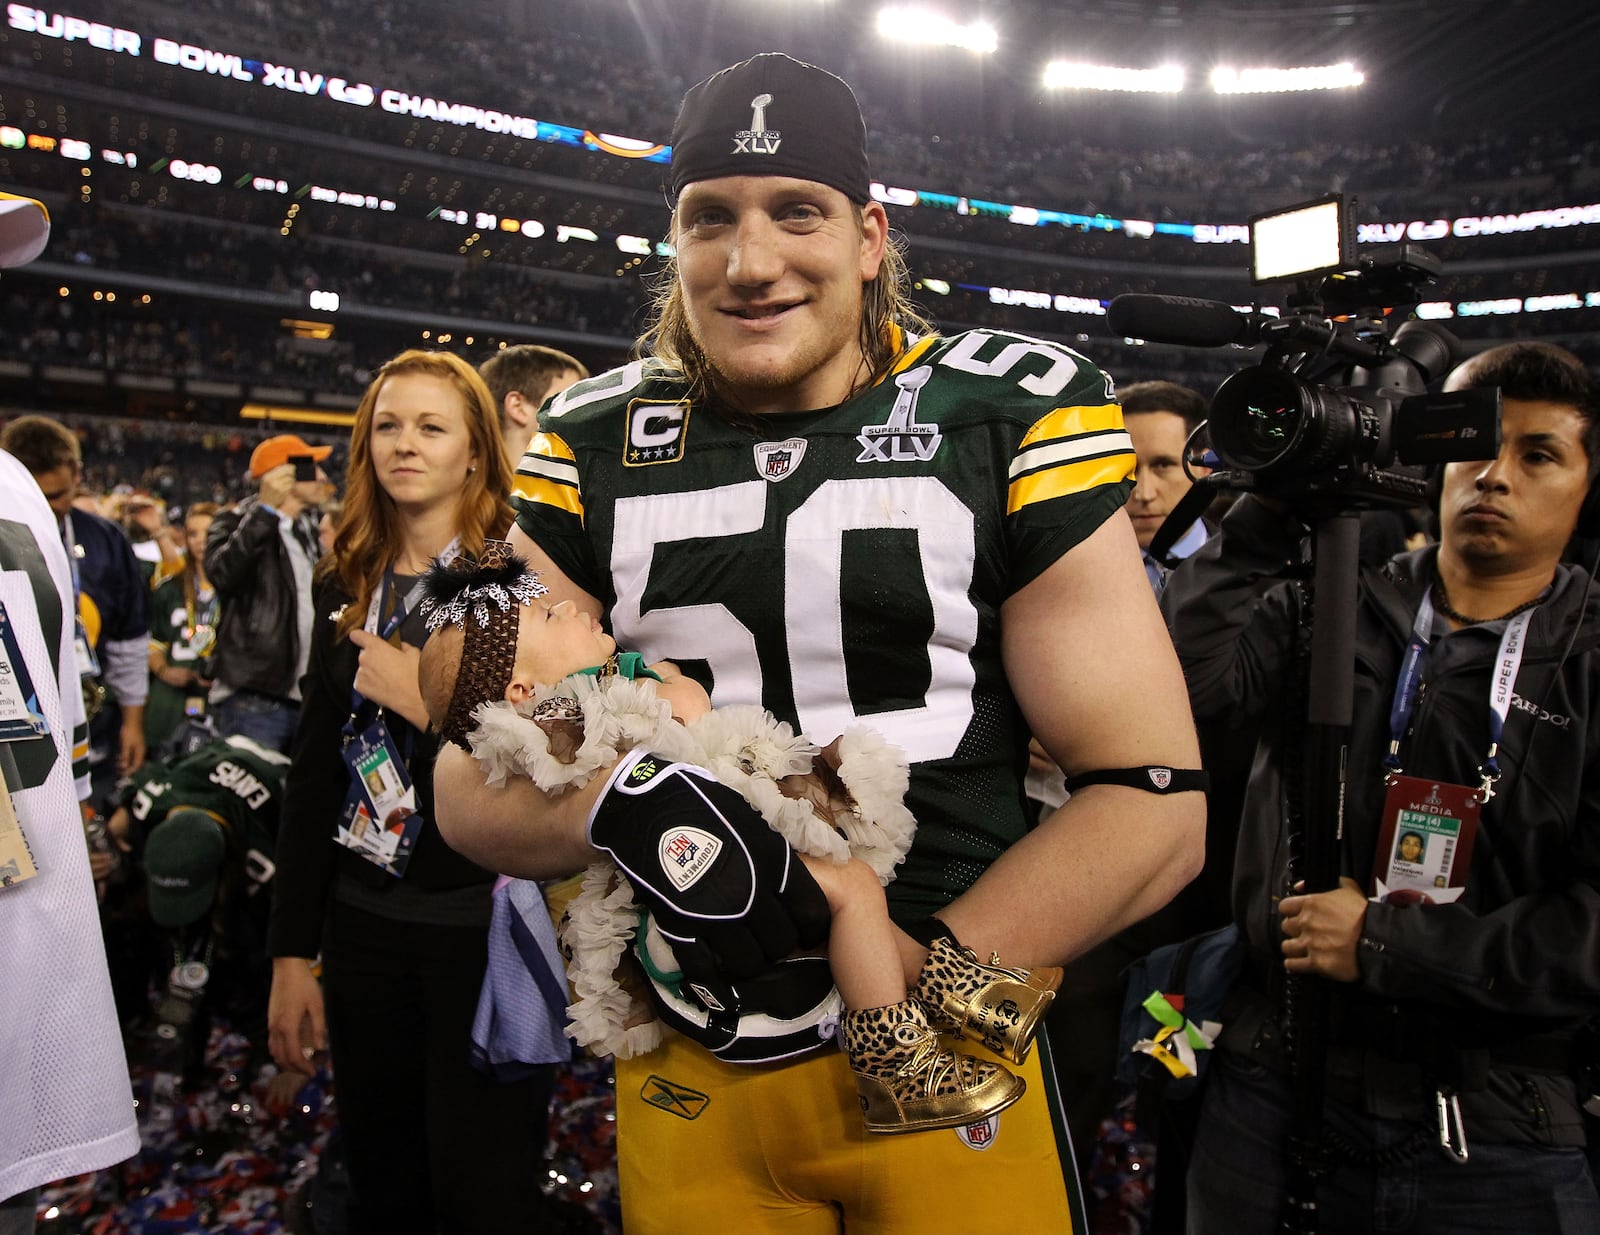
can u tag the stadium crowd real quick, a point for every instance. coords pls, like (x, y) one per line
(573, 82)
(201, 330)
(424, 270)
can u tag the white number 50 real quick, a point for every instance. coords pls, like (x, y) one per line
(809, 575)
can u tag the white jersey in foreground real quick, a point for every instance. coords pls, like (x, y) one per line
(66, 1106)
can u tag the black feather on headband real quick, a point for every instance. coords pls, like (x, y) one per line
(498, 578)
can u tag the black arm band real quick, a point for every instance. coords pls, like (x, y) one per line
(1152, 778)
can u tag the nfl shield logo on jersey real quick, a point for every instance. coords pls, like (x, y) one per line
(981, 1134)
(775, 460)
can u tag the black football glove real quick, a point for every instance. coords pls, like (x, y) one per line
(725, 889)
(786, 1010)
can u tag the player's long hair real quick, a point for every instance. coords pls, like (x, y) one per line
(885, 304)
(368, 536)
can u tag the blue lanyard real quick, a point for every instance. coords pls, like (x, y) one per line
(384, 628)
(1508, 662)
(392, 623)
(1410, 679)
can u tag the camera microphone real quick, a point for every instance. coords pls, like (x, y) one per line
(1183, 320)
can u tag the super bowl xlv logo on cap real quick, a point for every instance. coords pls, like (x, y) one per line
(758, 139)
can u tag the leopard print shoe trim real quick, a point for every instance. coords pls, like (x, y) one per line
(909, 1082)
(986, 1003)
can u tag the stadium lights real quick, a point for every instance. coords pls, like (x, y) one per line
(907, 24)
(892, 196)
(1278, 81)
(300, 415)
(1067, 75)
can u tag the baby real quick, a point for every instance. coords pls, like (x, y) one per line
(495, 639)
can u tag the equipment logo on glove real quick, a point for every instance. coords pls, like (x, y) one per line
(686, 854)
(722, 886)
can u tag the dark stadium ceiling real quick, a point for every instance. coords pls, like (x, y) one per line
(1434, 67)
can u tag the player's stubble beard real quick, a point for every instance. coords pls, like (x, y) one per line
(739, 372)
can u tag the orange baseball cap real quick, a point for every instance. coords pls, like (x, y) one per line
(276, 451)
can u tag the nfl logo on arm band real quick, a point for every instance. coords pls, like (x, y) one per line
(1152, 778)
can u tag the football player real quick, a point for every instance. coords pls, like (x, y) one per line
(810, 502)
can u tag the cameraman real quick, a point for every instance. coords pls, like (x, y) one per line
(1454, 1008)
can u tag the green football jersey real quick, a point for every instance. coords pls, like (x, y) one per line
(233, 779)
(846, 566)
(186, 632)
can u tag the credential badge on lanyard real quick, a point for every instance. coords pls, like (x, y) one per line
(20, 714)
(1428, 827)
(384, 825)
(381, 821)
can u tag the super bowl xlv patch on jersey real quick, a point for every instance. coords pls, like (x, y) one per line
(846, 565)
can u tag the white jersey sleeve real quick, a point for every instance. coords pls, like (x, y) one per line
(66, 1106)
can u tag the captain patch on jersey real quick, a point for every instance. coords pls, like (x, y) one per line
(656, 432)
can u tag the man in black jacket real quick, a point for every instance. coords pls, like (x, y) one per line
(259, 557)
(1457, 982)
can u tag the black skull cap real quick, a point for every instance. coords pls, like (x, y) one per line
(772, 115)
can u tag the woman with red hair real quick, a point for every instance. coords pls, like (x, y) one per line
(364, 878)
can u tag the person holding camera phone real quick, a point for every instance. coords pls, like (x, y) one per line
(183, 636)
(259, 555)
(1461, 948)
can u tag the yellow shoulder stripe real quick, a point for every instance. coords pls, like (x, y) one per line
(548, 475)
(1070, 450)
(1071, 421)
(913, 353)
(1068, 479)
(546, 446)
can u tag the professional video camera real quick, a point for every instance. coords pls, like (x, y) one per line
(1335, 416)
(1334, 421)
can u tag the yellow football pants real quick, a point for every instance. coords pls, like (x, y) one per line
(705, 1145)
